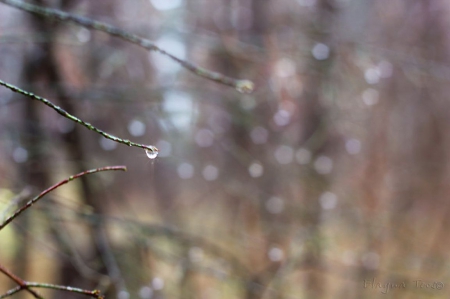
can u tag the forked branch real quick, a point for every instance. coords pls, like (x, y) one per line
(21, 283)
(26, 285)
(94, 294)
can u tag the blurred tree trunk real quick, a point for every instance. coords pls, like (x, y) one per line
(42, 63)
(35, 171)
(101, 256)
(313, 121)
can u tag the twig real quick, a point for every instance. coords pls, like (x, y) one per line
(22, 284)
(244, 86)
(11, 292)
(73, 177)
(94, 293)
(66, 114)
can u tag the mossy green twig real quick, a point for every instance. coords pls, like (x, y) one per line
(64, 113)
(244, 86)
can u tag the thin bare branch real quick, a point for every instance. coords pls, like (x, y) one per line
(43, 193)
(66, 114)
(13, 202)
(244, 86)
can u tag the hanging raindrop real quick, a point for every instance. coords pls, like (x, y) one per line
(151, 152)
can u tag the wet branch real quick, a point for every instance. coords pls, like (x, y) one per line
(43, 193)
(244, 86)
(66, 114)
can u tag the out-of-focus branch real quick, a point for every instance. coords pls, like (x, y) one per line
(71, 178)
(66, 114)
(244, 86)
(148, 229)
(22, 284)
(22, 196)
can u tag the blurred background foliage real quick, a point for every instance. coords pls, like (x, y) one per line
(331, 180)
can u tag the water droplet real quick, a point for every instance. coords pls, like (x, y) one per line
(282, 117)
(275, 254)
(285, 67)
(275, 205)
(123, 295)
(284, 154)
(259, 135)
(323, 165)
(256, 169)
(370, 96)
(210, 173)
(185, 170)
(372, 75)
(136, 128)
(245, 86)
(303, 156)
(328, 200)
(151, 152)
(157, 283)
(20, 155)
(83, 35)
(320, 51)
(353, 146)
(146, 292)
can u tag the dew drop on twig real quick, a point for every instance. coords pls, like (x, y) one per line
(151, 153)
(245, 86)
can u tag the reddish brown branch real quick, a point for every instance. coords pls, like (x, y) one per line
(22, 284)
(73, 177)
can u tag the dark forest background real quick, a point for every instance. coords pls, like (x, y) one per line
(330, 180)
